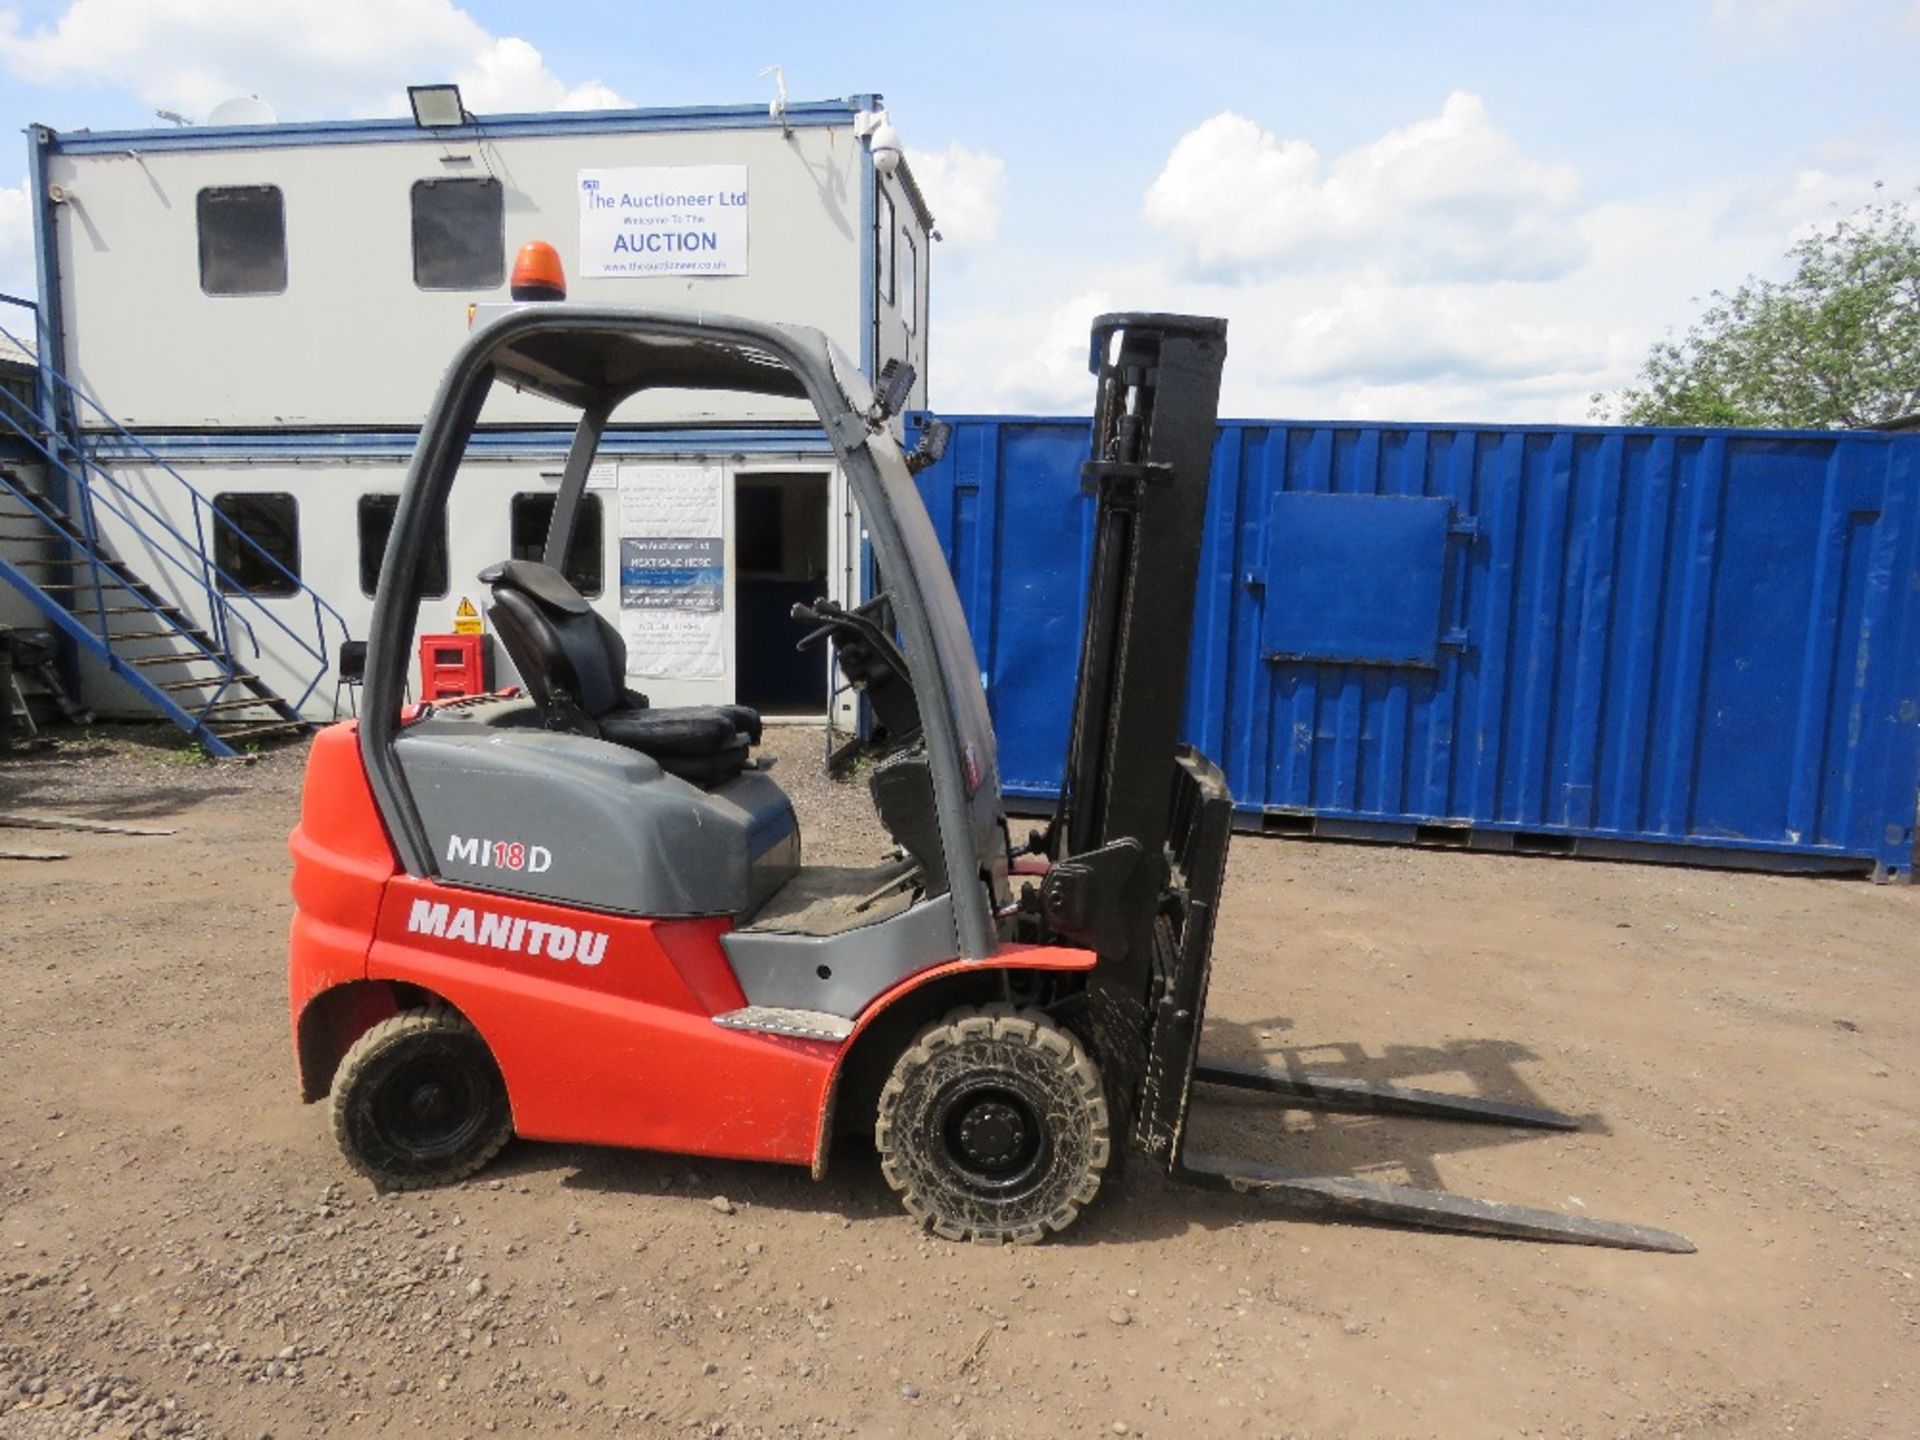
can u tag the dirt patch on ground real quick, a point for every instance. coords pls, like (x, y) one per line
(182, 1251)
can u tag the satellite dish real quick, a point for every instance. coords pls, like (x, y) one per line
(243, 110)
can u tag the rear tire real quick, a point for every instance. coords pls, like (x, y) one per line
(994, 1127)
(418, 1101)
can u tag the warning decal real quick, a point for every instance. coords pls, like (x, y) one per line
(466, 619)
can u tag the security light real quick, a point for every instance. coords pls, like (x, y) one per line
(436, 106)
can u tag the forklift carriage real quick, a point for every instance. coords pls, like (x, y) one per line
(561, 912)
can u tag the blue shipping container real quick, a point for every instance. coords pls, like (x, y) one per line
(1582, 640)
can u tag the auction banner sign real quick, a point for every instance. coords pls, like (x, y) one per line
(673, 575)
(664, 220)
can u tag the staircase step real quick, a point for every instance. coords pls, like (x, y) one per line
(279, 727)
(194, 657)
(128, 637)
(69, 562)
(208, 682)
(37, 523)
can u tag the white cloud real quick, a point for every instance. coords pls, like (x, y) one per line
(1365, 343)
(1367, 347)
(1333, 320)
(306, 58)
(1770, 20)
(1049, 370)
(1449, 197)
(1768, 12)
(1834, 180)
(16, 252)
(508, 74)
(963, 189)
(1386, 334)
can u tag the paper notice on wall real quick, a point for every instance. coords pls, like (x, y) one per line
(675, 644)
(666, 500)
(672, 571)
(664, 220)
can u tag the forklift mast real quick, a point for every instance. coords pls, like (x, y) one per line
(1155, 406)
(1139, 842)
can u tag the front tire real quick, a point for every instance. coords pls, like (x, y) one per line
(418, 1101)
(994, 1127)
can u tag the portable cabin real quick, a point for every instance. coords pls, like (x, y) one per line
(241, 327)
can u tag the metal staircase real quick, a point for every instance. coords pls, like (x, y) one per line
(199, 670)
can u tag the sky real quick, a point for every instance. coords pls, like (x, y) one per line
(1412, 211)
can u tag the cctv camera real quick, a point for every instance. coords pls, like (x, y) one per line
(885, 144)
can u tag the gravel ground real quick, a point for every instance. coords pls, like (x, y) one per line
(183, 1252)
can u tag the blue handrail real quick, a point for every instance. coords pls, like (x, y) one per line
(88, 538)
(221, 590)
(206, 572)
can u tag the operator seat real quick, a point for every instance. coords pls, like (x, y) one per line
(573, 664)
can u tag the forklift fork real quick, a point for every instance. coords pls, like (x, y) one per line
(1345, 1197)
(1202, 815)
(1342, 1197)
(1332, 1092)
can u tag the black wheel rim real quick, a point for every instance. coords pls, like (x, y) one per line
(431, 1107)
(990, 1136)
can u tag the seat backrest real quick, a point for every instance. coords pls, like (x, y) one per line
(562, 648)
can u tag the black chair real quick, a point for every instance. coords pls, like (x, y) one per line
(574, 666)
(349, 674)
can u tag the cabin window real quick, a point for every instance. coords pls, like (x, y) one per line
(886, 247)
(459, 234)
(376, 514)
(533, 513)
(909, 282)
(256, 543)
(243, 240)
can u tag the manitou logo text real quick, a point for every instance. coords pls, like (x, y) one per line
(499, 854)
(510, 933)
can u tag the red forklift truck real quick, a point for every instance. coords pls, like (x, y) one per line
(563, 913)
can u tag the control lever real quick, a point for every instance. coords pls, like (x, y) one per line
(861, 639)
(822, 613)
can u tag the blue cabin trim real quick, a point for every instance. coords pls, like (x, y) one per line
(531, 442)
(801, 115)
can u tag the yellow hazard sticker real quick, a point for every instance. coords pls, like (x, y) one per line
(466, 619)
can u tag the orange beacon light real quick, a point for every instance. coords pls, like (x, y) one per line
(537, 274)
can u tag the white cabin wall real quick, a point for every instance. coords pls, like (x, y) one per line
(327, 489)
(352, 341)
(900, 333)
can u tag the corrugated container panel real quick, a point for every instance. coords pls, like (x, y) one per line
(1589, 640)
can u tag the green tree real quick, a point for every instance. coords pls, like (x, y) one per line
(1835, 346)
